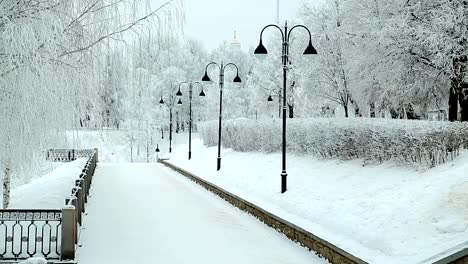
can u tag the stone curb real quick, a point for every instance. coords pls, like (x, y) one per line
(455, 255)
(295, 233)
(48, 262)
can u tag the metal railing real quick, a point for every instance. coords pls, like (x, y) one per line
(28, 233)
(66, 155)
(48, 233)
(80, 193)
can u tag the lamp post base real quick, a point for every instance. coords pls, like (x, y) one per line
(283, 182)
(219, 163)
(170, 150)
(189, 155)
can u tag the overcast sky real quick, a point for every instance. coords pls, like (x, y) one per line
(213, 21)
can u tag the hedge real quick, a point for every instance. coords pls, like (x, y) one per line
(426, 143)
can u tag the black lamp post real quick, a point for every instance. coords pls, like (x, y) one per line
(157, 152)
(179, 93)
(270, 99)
(170, 105)
(285, 55)
(206, 78)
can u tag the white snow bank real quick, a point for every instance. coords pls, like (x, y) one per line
(383, 214)
(34, 261)
(48, 191)
(114, 146)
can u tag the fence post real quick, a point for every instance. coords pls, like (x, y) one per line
(69, 230)
(79, 207)
(85, 187)
(74, 203)
(96, 154)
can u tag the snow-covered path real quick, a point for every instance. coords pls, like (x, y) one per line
(144, 213)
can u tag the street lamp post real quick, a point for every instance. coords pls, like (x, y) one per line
(270, 99)
(157, 152)
(179, 93)
(206, 78)
(285, 56)
(170, 105)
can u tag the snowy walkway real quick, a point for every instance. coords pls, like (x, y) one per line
(144, 213)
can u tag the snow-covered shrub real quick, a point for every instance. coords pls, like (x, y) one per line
(420, 142)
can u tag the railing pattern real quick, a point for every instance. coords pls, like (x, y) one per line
(28, 233)
(48, 233)
(66, 155)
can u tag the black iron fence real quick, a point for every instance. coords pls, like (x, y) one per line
(48, 233)
(80, 193)
(28, 233)
(66, 155)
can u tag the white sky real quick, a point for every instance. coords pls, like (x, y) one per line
(213, 21)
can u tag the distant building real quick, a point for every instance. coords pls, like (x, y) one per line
(234, 44)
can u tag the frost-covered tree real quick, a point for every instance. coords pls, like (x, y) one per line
(113, 89)
(331, 71)
(235, 95)
(50, 61)
(404, 57)
(266, 75)
(438, 33)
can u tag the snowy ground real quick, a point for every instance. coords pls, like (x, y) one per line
(34, 261)
(383, 214)
(114, 145)
(144, 213)
(48, 191)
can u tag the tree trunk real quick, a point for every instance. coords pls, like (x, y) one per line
(346, 110)
(6, 184)
(147, 150)
(453, 100)
(410, 113)
(291, 111)
(372, 110)
(177, 122)
(394, 113)
(463, 99)
(138, 139)
(357, 111)
(131, 148)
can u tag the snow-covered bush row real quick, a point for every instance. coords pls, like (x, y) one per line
(420, 142)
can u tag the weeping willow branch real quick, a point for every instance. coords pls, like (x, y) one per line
(121, 29)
